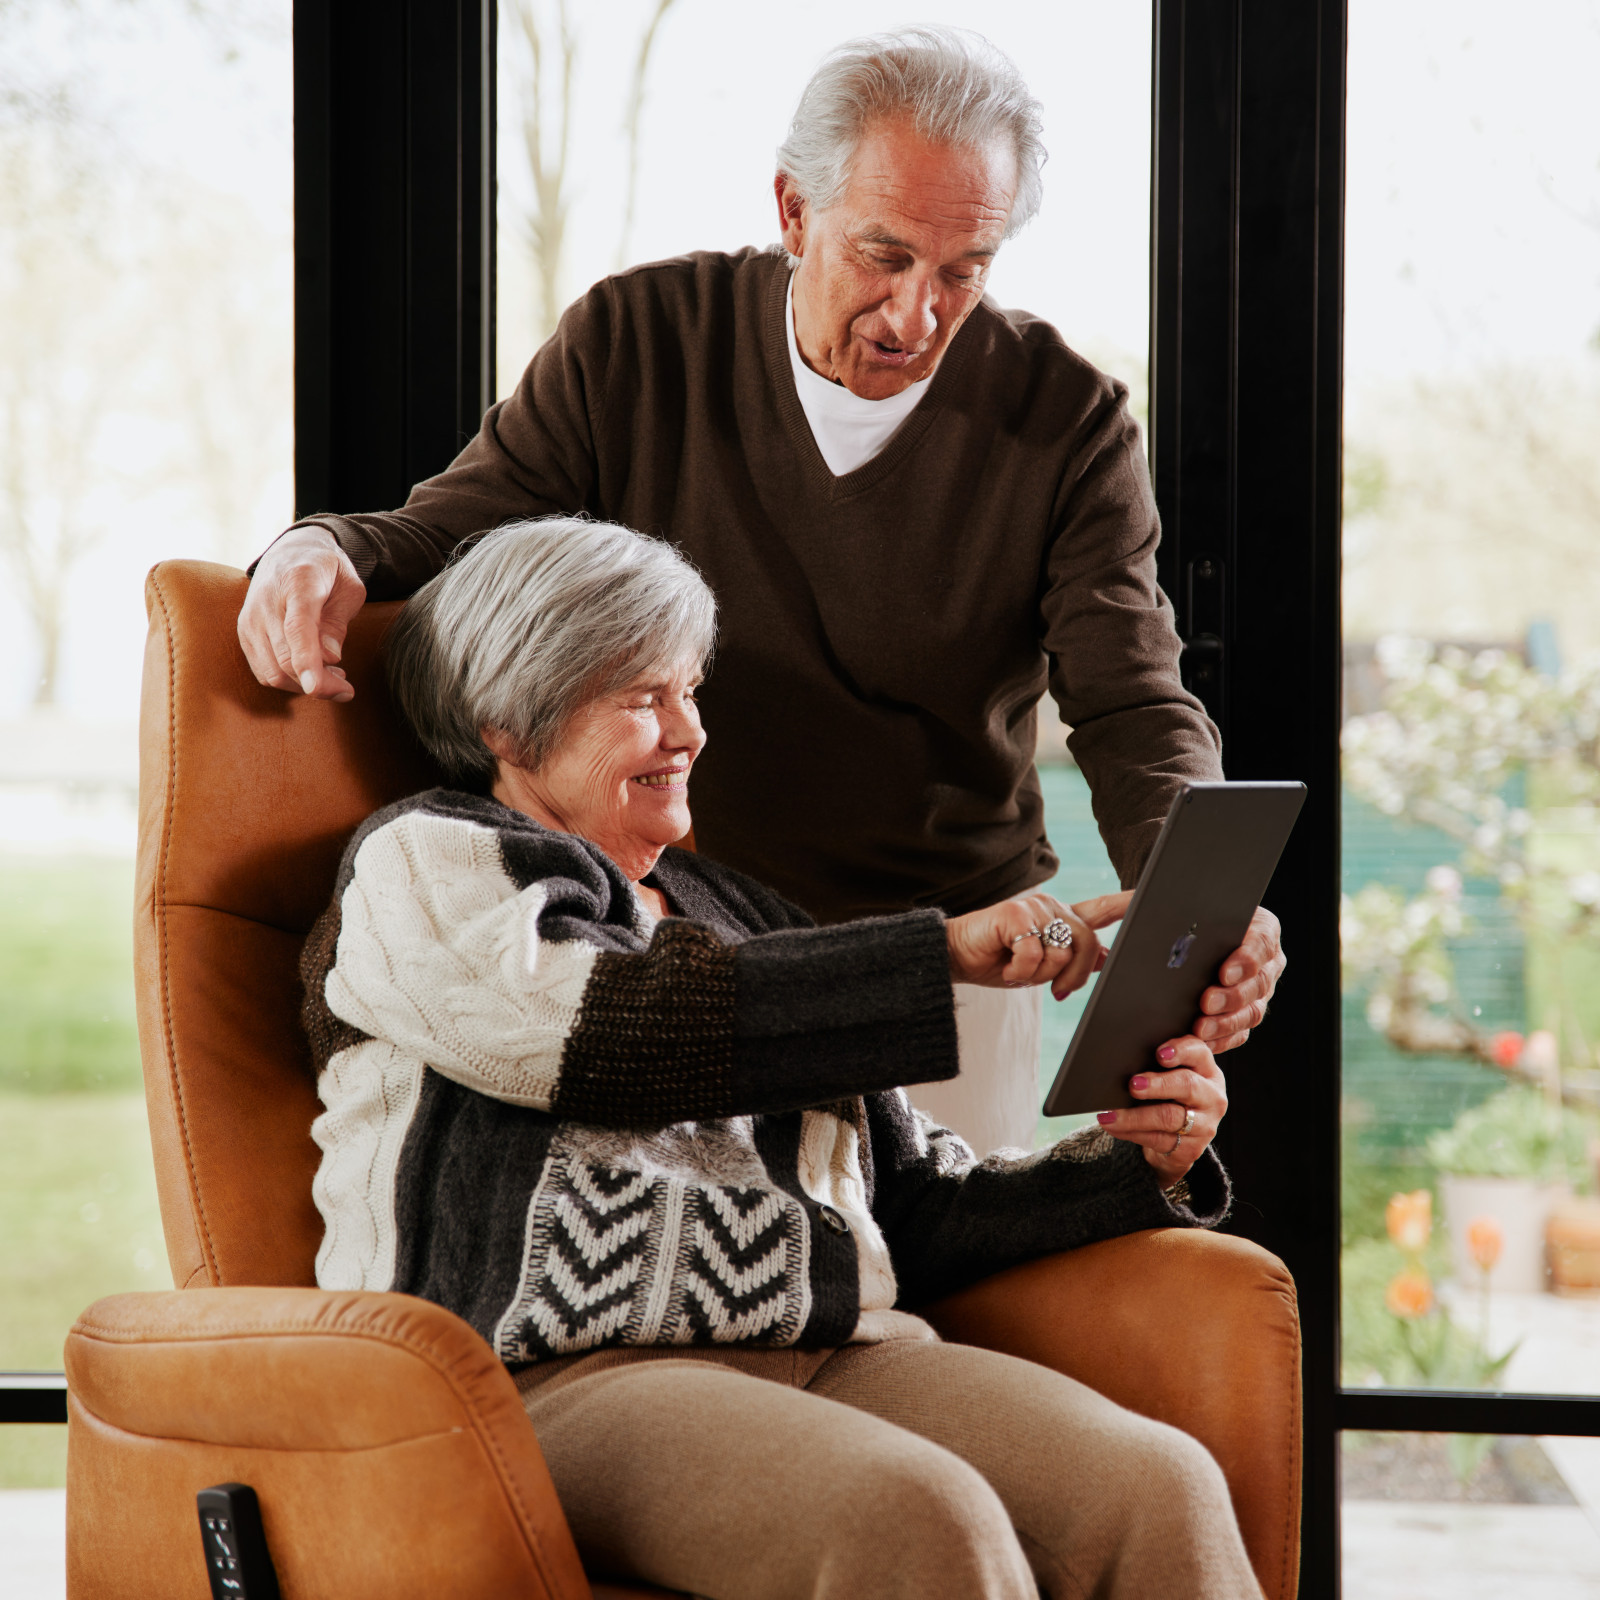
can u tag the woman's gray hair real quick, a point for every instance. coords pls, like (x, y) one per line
(530, 624)
(956, 88)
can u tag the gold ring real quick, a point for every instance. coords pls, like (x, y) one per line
(1184, 1131)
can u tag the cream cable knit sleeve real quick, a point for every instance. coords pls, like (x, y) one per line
(439, 954)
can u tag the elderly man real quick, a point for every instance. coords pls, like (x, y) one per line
(917, 511)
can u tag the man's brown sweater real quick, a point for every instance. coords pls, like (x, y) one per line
(884, 636)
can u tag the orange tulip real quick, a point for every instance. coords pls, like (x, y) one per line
(1485, 1239)
(1409, 1295)
(1506, 1048)
(1409, 1218)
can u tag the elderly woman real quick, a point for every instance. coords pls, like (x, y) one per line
(643, 1125)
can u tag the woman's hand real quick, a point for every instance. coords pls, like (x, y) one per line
(1010, 945)
(1187, 1079)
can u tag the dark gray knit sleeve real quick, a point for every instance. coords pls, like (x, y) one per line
(697, 1027)
(950, 1221)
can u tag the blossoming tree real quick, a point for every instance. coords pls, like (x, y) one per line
(1454, 732)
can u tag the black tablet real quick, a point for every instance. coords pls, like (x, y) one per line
(1201, 885)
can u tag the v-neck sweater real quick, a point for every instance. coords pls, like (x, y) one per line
(884, 636)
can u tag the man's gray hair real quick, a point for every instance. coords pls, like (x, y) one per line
(956, 88)
(533, 622)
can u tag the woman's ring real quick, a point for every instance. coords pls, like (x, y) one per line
(1183, 1132)
(1057, 934)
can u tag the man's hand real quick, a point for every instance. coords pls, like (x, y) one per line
(1248, 978)
(297, 612)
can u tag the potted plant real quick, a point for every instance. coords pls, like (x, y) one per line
(1510, 1159)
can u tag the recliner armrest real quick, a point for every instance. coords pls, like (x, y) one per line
(388, 1447)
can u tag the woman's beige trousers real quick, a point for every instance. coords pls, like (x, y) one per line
(907, 1470)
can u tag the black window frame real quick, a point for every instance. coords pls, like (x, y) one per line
(1246, 357)
(394, 284)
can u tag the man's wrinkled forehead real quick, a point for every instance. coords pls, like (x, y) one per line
(898, 179)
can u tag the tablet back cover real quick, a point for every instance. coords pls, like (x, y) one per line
(1205, 877)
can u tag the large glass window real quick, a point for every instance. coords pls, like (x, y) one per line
(146, 322)
(648, 129)
(1471, 919)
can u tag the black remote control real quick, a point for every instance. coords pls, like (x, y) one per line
(237, 1562)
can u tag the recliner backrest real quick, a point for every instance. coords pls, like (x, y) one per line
(247, 797)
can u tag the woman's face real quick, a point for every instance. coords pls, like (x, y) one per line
(620, 775)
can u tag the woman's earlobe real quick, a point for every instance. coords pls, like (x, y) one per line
(502, 746)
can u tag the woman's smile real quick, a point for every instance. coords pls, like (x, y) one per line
(666, 777)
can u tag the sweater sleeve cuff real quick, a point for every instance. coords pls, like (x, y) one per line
(1203, 1197)
(351, 539)
(1133, 1195)
(347, 535)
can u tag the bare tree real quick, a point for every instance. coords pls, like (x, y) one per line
(549, 123)
(632, 119)
(547, 99)
(1473, 503)
(64, 350)
(227, 380)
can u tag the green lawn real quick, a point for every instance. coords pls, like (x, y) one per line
(78, 1215)
(33, 1456)
(66, 975)
(79, 1219)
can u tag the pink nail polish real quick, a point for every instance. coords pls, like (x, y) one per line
(1166, 1053)
(1105, 1117)
(1138, 1083)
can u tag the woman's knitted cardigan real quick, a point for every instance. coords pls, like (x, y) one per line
(575, 1129)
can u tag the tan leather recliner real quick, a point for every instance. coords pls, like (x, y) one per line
(386, 1443)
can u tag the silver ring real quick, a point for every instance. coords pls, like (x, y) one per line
(1057, 934)
(1184, 1131)
(1032, 933)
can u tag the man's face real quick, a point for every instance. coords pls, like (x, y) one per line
(895, 265)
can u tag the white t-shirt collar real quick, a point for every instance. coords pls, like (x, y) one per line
(849, 431)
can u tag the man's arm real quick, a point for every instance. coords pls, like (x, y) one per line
(1137, 734)
(533, 456)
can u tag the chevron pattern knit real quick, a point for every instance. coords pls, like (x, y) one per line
(617, 1257)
